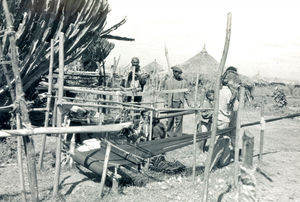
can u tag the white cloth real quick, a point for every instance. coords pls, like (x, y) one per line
(224, 111)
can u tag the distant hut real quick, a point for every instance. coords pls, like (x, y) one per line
(155, 71)
(202, 63)
(153, 67)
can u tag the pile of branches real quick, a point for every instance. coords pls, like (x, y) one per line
(37, 22)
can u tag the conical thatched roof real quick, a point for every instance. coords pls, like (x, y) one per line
(202, 63)
(153, 66)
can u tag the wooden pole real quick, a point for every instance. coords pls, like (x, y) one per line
(18, 122)
(20, 160)
(248, 145)
(133, 93)
(59, 115)
(115, 182)
(262, 133)
(167, 58)
(21, 104)
(216, 110)
(105, 165)
(50, 81)
(62, 130)
(195, 130)
(237, 136)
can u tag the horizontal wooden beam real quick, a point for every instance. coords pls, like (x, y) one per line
(182, 109)
(102, 106)
(62, 130)
(5, 63)
(175, 114)
(124, 91)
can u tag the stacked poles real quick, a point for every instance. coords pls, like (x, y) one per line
(22, 109)
(216, 110)
(50, 80)
(238, 134)
(59, 114)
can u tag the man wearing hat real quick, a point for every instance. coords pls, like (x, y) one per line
(175, 100)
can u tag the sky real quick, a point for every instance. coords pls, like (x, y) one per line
(265, 35)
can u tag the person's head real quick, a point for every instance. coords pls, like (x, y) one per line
(135, 61)
(177, 71)
(144, 114)
(210, 95)
(230, 74)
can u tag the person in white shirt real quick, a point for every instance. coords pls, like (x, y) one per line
(224, 147)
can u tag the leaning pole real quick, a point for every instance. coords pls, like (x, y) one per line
(216, 110)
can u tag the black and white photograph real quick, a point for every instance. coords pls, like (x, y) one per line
(135, 100)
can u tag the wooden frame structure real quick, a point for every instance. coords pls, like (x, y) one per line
(29, 131)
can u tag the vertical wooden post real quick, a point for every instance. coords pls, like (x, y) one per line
(262, 133)
(115, 183)
(20, 161)
(18, 122)
(54, 110)
(216, 110)
(50, 82)
(59, 114)
(105, 165)
(248, 145)
(195, 129)
(21, 104)
(72, 149)
(133, 93)
(150, 129)
(237, 136)
(167, 58)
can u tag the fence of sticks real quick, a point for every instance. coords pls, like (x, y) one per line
(57, 116)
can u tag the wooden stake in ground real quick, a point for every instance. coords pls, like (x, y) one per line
(50, 81)
(105, 165)
(248, 149)
(20, 161)
(22, 106)
(59, 114)
(167, 58)
(216, 110)
(195, 129)
(133, 93)
(262, 133)
(237, 137)
(18, 122)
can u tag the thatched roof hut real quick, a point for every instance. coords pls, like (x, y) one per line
(202, 63)
(153, 67)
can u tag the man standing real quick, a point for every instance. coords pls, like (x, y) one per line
(138, 81)
(175, 100)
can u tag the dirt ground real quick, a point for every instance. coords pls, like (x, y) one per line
(280, 165)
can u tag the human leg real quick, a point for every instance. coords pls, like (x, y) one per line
(178, 119)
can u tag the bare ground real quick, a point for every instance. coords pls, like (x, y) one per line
(280, 164)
